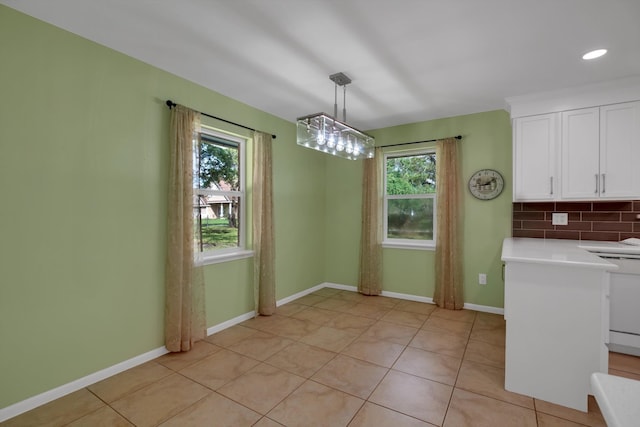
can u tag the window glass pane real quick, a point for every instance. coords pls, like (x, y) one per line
(410, 219)
(218, 166)
(218, 188)
(216, 222)
(414, 174)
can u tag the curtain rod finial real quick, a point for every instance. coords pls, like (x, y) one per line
(170, 103)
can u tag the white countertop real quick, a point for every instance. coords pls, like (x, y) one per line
(617, 398)
(610, 247)
(553, 251)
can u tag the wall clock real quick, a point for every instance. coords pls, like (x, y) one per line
(486, 184)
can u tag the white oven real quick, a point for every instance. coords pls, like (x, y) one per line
(624, 324)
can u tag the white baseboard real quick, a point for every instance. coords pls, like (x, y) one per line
(409, 297)
(58, 392)
(246, 316)
(339, 286)
(484, 308)
(299, 294)
(229, 323)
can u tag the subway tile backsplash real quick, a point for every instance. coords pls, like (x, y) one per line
(607, 221)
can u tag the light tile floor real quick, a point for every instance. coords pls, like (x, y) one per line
(332, 358)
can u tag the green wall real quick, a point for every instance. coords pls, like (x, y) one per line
(486, 144)
(83, 177)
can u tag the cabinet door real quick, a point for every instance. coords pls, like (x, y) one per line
(534, 157)
(620, 151)
(580, 154)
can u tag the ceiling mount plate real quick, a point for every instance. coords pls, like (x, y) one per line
(340, 79)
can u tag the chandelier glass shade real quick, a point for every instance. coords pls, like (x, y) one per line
(326, 133)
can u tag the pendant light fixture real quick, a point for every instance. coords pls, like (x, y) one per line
(326, 133)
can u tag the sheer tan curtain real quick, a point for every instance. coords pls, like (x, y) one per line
(263, 233)
(184, 284)
(370, 273)
(448, 291)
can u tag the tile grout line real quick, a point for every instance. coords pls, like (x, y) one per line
(388, 369)
(107, 404)
(378, 320)
(364, 401)
(453, 389)
(340, 352)
(305, 379)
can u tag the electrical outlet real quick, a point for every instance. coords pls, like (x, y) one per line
(482, 279)
(559, 218)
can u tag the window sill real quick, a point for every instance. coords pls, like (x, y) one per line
(412, 246)
(229, 256)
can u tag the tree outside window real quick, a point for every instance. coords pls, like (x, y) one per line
(219, 193)
(410, 187)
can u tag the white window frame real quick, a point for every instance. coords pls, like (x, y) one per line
(228, 254)
(406, 243)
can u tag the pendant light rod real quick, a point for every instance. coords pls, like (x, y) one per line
(340, 79)
(344, 104)
(335, 100)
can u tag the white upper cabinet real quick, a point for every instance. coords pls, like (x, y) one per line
(620, 151)
(580, 154)
(584, 154)
(601, 152)
(534, 157)
(578, 143)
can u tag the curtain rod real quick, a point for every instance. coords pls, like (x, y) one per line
(419, 142)
(172, 104)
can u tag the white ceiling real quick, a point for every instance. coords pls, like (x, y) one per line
(410, 60)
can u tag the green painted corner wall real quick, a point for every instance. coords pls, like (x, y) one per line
(486, 144)
(83, 177)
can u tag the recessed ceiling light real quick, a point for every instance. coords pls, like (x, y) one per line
(594, 54)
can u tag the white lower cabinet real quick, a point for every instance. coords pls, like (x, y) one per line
(557, 323)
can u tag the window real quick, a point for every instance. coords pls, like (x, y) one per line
(410, 199)
(219, 196)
